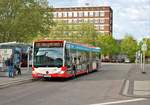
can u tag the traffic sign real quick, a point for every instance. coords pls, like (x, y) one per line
(144, 47)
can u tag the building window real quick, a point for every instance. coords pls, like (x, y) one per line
(70, 21)
(97, 14)
(97, 21)
(110, 21)
(80, 14)
(97, 27)
(75, 14)
(91, 14)
(86, 20)
(102, 13)
(86, 14)
(92, 20)
(101, 27)
(65, 21)
(69, 14)
(65, 14)
(81, 20)
(75, 21)
(101, 21)
(55, 14)
(59, 14)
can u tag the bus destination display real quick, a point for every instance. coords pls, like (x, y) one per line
(48, 44)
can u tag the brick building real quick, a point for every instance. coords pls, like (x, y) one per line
(101, 17)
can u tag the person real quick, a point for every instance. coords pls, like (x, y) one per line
(9, 64)
(74, 67)
(17, 64)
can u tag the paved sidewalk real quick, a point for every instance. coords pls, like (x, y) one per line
(137, 84)
(18, 79)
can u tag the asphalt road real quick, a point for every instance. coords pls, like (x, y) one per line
(99, 88)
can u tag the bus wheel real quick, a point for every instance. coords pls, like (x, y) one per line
(47, 79)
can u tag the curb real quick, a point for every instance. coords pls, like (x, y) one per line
(19, 82)
(125, 91)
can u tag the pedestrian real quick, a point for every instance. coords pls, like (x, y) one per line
(17, 64)
(17, 67)
(74, 67)
(9, 64)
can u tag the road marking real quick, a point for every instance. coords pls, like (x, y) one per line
(123, 101)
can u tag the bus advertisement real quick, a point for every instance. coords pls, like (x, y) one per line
(62, 59)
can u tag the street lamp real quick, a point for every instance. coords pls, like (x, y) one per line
(28, 58)
(144, 49)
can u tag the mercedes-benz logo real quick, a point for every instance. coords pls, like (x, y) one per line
(47, 72)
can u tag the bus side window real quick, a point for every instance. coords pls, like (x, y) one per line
(67, 58)
(75, 60)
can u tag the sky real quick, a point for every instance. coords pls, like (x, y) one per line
(129, 16)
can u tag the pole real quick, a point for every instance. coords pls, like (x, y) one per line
(136, 58)
(144, 49)
(28, 59)
(143, 69)
(141, 61)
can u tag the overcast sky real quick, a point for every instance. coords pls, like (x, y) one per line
(129, 16)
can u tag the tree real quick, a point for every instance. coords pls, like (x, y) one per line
(87, 33)
(22, 20)
(108, 45)
(60, 31)
(73, 32)
(148, 47)
(147, 42)
(129, 47)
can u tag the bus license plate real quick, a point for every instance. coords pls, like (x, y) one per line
(47, 76)
(40, 75)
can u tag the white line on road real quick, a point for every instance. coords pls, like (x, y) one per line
(123, 101)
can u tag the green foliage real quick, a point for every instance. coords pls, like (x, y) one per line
(80, 33)
(148, 48)
(108, 45)
(147, 42)
(87, 33)
(22, 20)
(129, 47)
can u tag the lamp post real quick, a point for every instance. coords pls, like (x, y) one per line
(144, 49)
(28, 58)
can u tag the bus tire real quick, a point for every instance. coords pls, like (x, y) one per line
(46, 79)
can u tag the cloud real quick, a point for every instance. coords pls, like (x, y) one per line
(133, 16)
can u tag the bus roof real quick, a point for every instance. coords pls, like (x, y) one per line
(84, 47)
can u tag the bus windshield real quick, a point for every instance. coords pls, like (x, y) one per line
(48, 57)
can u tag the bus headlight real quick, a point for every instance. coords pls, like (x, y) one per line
(34, 72)
(61, 72)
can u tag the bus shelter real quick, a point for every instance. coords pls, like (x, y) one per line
(18, 50)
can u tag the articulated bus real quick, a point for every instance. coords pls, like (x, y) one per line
(62, 59)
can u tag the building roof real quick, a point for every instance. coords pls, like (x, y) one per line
(83, 8)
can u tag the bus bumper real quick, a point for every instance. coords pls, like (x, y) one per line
(39, 76)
